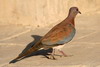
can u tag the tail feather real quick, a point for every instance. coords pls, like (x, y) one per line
(28, 52)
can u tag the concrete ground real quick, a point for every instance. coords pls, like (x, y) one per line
(84, 48)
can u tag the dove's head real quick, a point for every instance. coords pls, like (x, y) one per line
(73, 11)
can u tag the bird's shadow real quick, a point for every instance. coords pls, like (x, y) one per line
(42, 52)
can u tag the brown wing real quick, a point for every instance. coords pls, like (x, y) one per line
(57, 35)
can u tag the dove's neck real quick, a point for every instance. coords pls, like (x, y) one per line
(71, 18)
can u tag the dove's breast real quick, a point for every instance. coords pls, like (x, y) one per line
(69, 38)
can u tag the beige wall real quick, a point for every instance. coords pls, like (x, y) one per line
(42, 12)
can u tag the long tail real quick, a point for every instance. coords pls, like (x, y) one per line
(36, 47)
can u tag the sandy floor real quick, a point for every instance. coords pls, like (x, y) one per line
(84, 48)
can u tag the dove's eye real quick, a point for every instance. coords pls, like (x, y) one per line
(76, 9)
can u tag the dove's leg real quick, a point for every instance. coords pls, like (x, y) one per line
(62, 53)
(59, 49)
(52, 54)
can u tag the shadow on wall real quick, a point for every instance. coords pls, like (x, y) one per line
(39, 52)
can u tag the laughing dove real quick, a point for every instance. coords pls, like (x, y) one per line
(56, 38)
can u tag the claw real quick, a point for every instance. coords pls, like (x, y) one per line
(63, 53)
(52, 55)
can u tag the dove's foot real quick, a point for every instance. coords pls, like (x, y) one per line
(52, 55)
(65, 55)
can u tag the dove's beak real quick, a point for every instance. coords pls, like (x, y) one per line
(79, 12)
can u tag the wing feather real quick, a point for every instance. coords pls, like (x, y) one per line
(57, 35)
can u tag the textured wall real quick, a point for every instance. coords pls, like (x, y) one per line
(42, 12)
